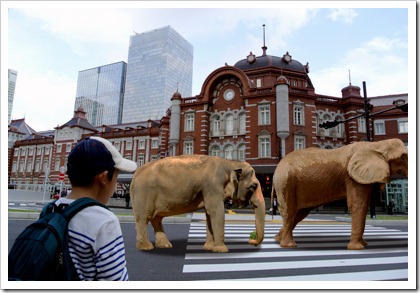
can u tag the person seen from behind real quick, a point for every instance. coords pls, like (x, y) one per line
(95, 239)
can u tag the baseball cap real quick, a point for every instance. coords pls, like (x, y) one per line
(96, 154)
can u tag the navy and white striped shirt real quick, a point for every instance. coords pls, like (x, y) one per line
(96, 244)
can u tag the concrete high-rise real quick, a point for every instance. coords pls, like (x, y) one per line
(12, 75)
(100, 92)
(160, 61)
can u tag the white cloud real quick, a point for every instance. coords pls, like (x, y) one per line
(43, 99)
(375, 62)
(345, 15)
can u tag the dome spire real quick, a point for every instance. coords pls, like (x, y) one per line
(264, 48)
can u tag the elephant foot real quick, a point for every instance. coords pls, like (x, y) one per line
(364, 242)
(277, 237)
(144, 245)
(356, 245)
(162, 241)
(208, 245)
(220, 248)
(215, 248)
(288, 244)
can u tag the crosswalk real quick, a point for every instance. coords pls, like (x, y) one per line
(321, 254)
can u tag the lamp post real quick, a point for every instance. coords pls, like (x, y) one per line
(47, 174)
(367, 114)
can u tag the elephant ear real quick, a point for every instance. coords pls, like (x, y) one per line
(231, 189)
(368, 166)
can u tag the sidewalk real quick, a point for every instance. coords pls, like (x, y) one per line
(232, 215)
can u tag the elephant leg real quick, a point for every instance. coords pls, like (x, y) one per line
(142, 239)
(161, 239)
(285, 235)
(209, 234)
(216, 215)
(358, 203)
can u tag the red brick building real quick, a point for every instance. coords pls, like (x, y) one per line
(258, 110)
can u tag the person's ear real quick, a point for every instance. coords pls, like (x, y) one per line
(102, 177)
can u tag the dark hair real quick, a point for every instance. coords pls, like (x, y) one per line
(84, 178)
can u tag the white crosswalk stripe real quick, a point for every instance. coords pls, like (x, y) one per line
(321, 255)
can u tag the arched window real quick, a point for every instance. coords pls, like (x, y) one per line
(241, 153)
(216, 125)
(229, 152)
(229, 124)
(242, 123)
(215, 151)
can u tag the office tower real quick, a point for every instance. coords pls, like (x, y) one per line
(159, 62)
(12, 74)
(100, 92)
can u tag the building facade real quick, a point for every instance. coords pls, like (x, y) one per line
(100, 92)
(258, 111)
(12, 77)
(159, 62)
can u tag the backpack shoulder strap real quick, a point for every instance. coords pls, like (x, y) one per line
(79, 205)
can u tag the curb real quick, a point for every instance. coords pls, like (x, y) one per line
(372, 222)
(123, 219)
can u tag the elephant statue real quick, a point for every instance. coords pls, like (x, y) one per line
(183, 184)
(306, 179)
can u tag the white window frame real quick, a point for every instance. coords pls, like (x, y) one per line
(140, 160)
(189, 122)
(402, 125)
(128, 145)
(228, 152)
(379, 127)
(142, 144)
(361, 124)
(300, 142)
(298, 115)
(155, 143)
(188, 147)
(242, 153)
(215, 151)
(216, 125)
(264, 146)
(264, 114)
(242, 123)
(229, 124)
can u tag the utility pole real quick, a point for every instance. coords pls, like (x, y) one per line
(367, 114)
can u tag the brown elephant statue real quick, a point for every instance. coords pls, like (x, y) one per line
(183, 184)
(306, 179)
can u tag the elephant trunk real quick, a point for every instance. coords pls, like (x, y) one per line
(258, 203)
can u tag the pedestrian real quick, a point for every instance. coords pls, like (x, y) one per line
(274, 206)
(127, 200)
(391, 207)
(96, 243)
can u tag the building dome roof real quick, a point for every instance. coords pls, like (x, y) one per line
(271, 61)
(282, 80)
(176, 95)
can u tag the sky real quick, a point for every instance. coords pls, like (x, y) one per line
(343, 42)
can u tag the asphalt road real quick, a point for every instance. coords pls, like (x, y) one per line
(321, 254)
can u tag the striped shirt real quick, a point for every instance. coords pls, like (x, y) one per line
(96, 244)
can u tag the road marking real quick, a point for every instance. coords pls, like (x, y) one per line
(320, 246)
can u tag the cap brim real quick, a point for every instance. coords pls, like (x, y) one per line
(126, 165)
(120, 162)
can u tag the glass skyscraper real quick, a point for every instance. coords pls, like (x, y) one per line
(159, 62)
(100, 92)
(12, 76)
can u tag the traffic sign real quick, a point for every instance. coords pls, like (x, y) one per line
(61, 177)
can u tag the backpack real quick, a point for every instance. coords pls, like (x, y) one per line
(41, 252)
